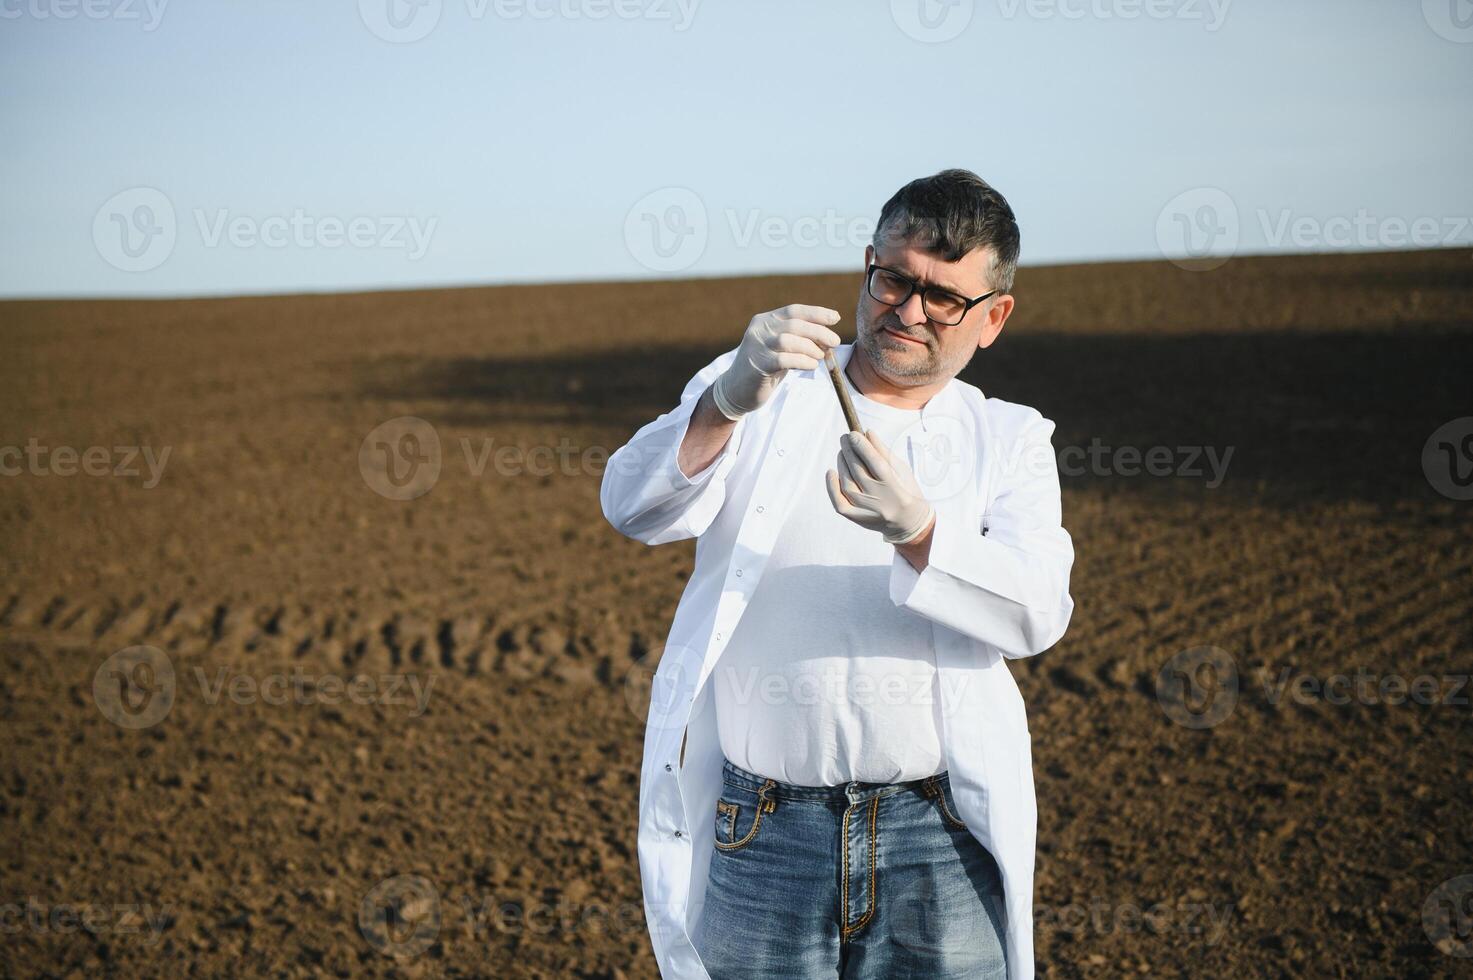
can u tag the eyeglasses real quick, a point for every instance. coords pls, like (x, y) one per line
(941, 305)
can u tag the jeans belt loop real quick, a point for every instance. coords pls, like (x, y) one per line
(765, 804)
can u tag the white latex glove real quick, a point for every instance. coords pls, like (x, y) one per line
(776, 342)
(877, 491)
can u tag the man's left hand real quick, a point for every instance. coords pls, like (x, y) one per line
(877, 491)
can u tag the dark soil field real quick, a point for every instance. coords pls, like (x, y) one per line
(402, 737)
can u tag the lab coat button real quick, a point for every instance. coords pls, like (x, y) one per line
(678, 835)
(739, 573)
(760, 508)
(667, 768)
(781, 452)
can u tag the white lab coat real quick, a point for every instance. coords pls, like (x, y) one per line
(996, 588)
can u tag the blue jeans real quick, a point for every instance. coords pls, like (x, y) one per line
(859, 881)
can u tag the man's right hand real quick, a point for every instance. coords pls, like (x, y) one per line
(794, 337)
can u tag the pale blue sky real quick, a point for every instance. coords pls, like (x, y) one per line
(521, 140)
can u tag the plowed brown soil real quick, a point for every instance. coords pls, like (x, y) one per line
(245, 832)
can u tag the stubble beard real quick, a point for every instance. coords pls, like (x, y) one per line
(882, 353)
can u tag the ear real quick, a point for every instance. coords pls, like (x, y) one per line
(997, 316)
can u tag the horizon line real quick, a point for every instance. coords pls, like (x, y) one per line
(450, 285)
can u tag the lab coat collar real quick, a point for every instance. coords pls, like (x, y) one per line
(947, 401)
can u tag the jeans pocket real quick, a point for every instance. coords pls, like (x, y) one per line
(940, 791)
(739, 814)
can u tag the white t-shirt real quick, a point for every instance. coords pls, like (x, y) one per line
(826, 680)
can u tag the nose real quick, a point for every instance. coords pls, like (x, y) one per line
(912, 313)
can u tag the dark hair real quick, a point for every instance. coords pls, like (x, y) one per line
(949, 214)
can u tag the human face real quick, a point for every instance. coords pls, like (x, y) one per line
(907, 347)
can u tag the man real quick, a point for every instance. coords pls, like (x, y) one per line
(837, 778)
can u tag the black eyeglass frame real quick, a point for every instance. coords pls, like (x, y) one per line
(869, 287)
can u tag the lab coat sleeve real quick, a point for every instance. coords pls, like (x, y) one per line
(1009, 587)
(645, 494)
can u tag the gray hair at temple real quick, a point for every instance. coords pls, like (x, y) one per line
(948, 215)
